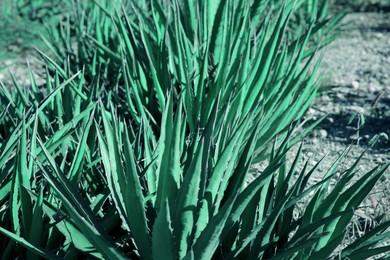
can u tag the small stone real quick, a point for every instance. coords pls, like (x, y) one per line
(330, 120)
(355, 137)
(311, 111)
(336, 110)
(355, 84)
(340, 96)
(379, 160)
(325, 98)
(322, 134)
(372, 87)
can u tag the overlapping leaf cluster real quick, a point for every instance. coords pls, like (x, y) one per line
(141, 140)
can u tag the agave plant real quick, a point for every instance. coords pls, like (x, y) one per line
(141, 146)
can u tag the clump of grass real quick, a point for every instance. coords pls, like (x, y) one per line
(140, 143)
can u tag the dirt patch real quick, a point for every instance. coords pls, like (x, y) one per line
(356, 96)
(356, 67)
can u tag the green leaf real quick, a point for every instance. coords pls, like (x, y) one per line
(112, 162)
(43, 253)
(187, 203)
(368, 240)
(35, 234)
(24, 180)
(135, 202)
(169, 170)
(78, 161)
(162, 239)
(210, 238)
(80, 213)
(67, 228)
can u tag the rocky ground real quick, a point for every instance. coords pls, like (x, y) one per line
(355, 93)
(356, 67)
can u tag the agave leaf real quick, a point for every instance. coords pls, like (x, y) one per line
(113, 166)
(67, 227)
(20, 92)
(237, 183)
(62, 135)
(7, 95)
(239, 176)
(203, 216)
(53, 49)
(33, 148)
(5, 190)
(169, 170)
(63, 74)
(247, 194)
(78, 161)
(54, 64)
(133, 50)
(105, 49)
(270, 48)
(260, 228)
(245, 197)
(79, 212)
(264, 231)
(292, 251)
(328, 204)
(58, 102)
(15, 205)
(136, 211)
(153, 67)
(187, 203)
(150, 158)
(371, 238)
(43, 253)
(218, 31)
(24, 180)
(315, 202)
(48, 99)
(162, 239)
(368, 253)
(284, 181)
(224, 166)
(35, 234)
(210, 237)
(312, 229)
(363, 186)
(189, 11)
(129, 92)
(307, 130)
(351, 198)
(35, 91)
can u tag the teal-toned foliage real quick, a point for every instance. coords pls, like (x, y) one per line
(153, 113)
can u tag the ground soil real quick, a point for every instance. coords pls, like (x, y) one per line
(356, 70)
(356, 67)
(355, 83)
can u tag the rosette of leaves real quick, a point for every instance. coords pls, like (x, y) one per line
(195, 47)
(145, 152)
